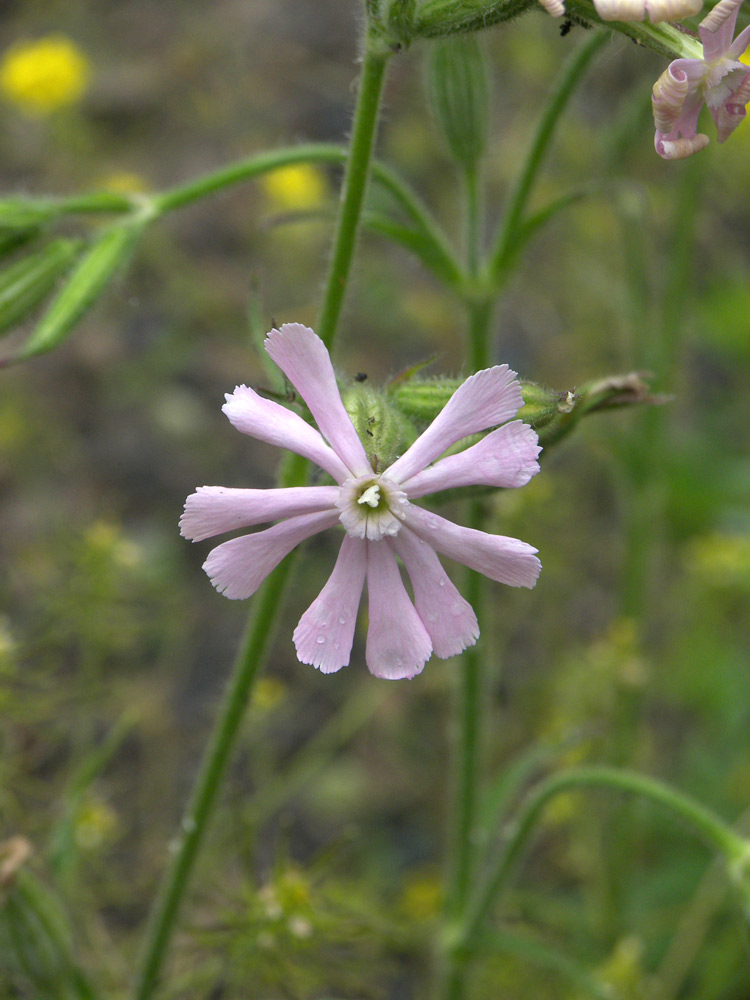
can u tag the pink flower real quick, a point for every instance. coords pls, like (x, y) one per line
(633, 10)
(376, 511)
(719, 80)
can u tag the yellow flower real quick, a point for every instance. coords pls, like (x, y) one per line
(269, 692)
(295, 187)
(43, 75)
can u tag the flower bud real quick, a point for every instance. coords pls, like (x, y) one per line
(542, 406)
(383, 429)
(421, 401)
(458, 90)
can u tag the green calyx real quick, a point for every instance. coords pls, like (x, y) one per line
(420, 400)
(383, 428)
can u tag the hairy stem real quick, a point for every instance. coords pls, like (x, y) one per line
(356, 176)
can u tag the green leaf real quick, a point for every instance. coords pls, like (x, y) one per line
(12, 239)
(420, 242)
(25, 213)
(93, 273)
(26, 283)
(37, 942)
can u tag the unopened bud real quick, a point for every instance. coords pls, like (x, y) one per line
(541, 406)
(421, 401)
(458, 90)
(382, 427)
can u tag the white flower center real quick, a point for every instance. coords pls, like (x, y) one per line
(371, 507)
(371, 496)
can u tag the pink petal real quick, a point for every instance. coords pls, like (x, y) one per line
(212, 510)
(490, 397)
(498, 557)
(397, 642)
(507, 457)
(740, 44)
(238, 567)
(449, 620)
(325, 632)
(672, 10)
(304, 359)
(554, 7)
(268, 421)
(679, 149)
(717, 27)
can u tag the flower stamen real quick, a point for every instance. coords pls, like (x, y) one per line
(371, 496)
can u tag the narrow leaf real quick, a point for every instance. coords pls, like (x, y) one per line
(87, 282)
(26, 283)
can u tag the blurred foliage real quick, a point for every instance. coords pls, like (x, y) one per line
(321, 877)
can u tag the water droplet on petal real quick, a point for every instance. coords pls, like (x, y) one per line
(432, 522)
(342, 620)
(321, 639)
(441, 583)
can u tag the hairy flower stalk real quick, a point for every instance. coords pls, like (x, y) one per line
(718, 80)
(376, 511)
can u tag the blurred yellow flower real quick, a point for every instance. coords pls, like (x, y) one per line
(269, 692)
(296, 187)
(719, 559)
(422, 895)
(43, 75)
(124, 183)
(96, 823)
(105, 538)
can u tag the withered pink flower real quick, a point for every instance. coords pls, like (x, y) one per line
(633, 10)
(376, 510)
(718, 80)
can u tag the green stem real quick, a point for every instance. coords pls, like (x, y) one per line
(707, 824)
(473, 219)
(554, 961)
(480, 315)
(564, 87)
(465, 806)
(244, 170)
(268, 600)
(364, 128)
(266, 606)
(255, 166)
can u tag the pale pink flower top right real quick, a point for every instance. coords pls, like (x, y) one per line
(719, 80)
